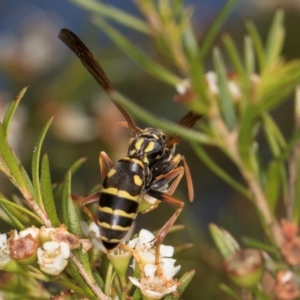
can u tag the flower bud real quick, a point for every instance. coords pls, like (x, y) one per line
(62, 235)
(245, 267)
(23, 247)
(286, 286)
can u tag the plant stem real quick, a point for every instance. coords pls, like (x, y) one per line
(93, 285)
(230, 140)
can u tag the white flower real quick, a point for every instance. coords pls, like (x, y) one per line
(93, 234)
(53, 257)
(156, 280)
(183, 86)
(153, 286)
(3, 245)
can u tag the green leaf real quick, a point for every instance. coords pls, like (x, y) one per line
(223, 240)
(21, 209)
(72, 270)
(47, 193)
(184, 282)
(294, 139)
(275, 138)
(35, 165)
(172, 128)
(249, 61)
(99, 280)
(11, 215)
(9, 162)
(70, 214)
(274, 184)
(72, 220)
(233, 54)
(257, 42)
(214, 28)
(259, 294)
(275, 39)
(227, 104)
(197, 72)
(228, 290)
(113, 13)
(136, 54)
(209, 162)
(252, 243)
(77, 164)
(59, 189)
(11, 110)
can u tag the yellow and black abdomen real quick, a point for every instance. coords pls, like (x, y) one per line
(119, 200)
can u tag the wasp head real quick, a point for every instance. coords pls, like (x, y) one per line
(150, 146)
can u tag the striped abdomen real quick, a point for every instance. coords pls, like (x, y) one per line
(119, 200)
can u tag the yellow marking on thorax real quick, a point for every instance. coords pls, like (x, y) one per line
(133, 160)
(121, 194)
(137, 180)
(111, 172)
(118, 212)
(145, 160)
(138, 144)
(150, 147)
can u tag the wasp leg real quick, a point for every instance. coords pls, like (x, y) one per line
(88, 200)
(165, 229)
(173, 164)
(164, 179)
(105, 164)
(189, 180)
(136, 257)
(160, 182)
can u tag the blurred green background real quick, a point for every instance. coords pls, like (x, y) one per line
(85, 120)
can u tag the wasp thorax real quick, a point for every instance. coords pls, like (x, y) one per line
(148, 145)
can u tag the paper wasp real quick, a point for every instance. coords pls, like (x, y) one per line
(149, 172)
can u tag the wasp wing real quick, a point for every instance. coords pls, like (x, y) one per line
(188, 121)
(91, 64)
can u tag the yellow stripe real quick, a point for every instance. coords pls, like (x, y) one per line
(115, 227)
(116, 212)
(104, 238)
(121, 194)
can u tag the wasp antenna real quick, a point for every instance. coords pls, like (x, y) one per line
(91, 64)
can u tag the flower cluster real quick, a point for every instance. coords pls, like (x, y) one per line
(185, 93)
(156, 281)
(49, 247)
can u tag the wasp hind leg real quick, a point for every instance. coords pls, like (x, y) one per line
(165, 229)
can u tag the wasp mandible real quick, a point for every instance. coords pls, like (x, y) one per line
(149, 171)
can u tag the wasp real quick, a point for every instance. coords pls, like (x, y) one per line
(149, 173)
